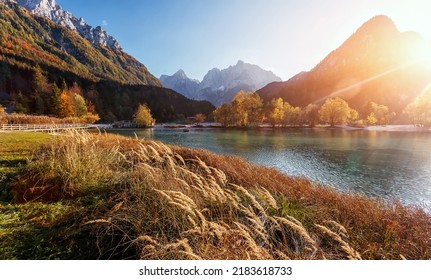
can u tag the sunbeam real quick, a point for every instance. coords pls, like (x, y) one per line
(361, 83)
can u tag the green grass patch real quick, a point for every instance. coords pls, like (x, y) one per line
(27, 231)
(305, 214)
(15, 149)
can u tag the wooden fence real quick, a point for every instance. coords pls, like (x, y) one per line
(41, 127)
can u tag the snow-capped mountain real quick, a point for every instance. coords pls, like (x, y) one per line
(240, 74)
(220, 86)
(50, 9)
(181, 83)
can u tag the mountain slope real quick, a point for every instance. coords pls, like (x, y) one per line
(377, 63)
(39, 59)
(28, 39)
(220, 86)
(50, 9)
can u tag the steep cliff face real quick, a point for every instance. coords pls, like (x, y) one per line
(50, 9)
(377, 63)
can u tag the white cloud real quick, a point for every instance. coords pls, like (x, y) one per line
(104, 22)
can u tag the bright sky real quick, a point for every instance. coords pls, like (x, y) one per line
(285, 36)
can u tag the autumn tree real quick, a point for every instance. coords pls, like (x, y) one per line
(378, 114)
(371, 119)
(353, 116)
(143, 117)
(311, 114)
(90, 118)
(276, 111)
(292, 115)
(79, 105)
(253, 105)
(239, 113)
(66, 105)
(222, 114)
(419, 112)
(200, 118)
(246, 109)
(336, 111)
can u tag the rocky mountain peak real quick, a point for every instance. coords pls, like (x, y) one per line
(220, 86)
(50, 9)
(180, 73)
(40, 5)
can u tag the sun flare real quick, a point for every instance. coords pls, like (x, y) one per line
(421, 54)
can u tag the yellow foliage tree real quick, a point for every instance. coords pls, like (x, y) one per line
(246, 109)
(336, 111)
(380, 113)
(276, 113)
(66, 105)
(311, 114)
(419, 112)
(292, 115)
(143, 117)
(222, 114)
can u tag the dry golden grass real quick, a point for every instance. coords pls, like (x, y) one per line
(168, 202)
(30, 119)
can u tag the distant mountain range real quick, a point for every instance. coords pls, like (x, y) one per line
(39, 33)
(220, 86)
(377, 63)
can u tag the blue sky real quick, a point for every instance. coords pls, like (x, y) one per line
(284, 36)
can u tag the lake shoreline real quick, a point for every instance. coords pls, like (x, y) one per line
(386, 128)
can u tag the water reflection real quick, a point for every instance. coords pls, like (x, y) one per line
(379, 164)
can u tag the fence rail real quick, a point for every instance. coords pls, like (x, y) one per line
(41, 127)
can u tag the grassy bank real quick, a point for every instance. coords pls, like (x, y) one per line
(89, 196)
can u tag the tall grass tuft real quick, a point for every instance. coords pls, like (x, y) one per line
(168, 202)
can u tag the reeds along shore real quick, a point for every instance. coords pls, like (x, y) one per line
(147, 200)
